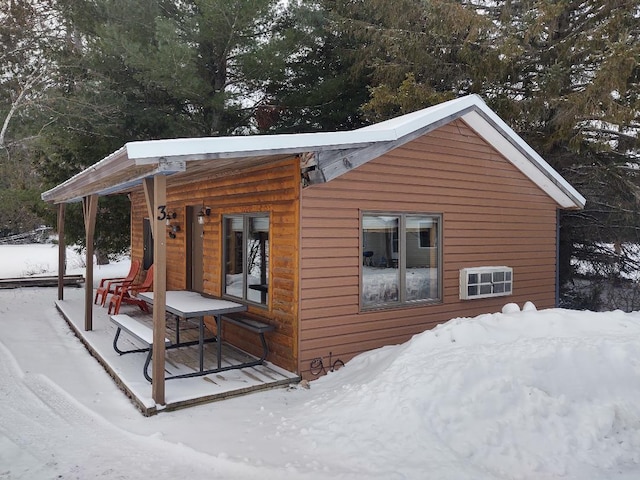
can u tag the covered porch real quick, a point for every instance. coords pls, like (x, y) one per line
(127, 370)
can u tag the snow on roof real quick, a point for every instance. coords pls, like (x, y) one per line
(117, 170)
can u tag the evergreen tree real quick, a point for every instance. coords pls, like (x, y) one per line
(417, 53)
(569, 84)
(149, 69)
(319, 86)
(564, 74)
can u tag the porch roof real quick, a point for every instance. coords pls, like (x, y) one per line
(333, 153)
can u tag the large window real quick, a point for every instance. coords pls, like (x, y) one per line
(246, 257)
(401, 259)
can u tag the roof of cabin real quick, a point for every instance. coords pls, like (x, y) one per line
(332, 153)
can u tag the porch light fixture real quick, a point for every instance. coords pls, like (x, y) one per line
(172, 227)
(204, 212)
(173, 230)
(170, 216)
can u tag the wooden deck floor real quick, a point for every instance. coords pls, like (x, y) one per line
(126, 370)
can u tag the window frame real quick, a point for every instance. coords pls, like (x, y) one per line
(245, 271)
(402, 302)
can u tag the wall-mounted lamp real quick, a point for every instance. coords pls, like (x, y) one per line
(204, 212)
(173, 230)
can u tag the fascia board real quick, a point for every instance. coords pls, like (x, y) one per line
(405, 125)
(98, 171)
(497, 133)
(243, 146)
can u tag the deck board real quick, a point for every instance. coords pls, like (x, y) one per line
(126, 370)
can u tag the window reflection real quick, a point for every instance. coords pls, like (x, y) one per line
(246, 257)
(401, 257)
(234, 265)
(380, 272)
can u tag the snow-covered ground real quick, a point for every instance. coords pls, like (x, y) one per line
(518, 394)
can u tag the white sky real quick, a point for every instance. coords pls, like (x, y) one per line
(522, 394)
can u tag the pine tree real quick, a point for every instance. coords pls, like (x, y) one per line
(149, 69)
(564, 74)
(569, 84)
(319, 85)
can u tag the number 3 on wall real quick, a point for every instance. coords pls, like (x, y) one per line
(163, 212)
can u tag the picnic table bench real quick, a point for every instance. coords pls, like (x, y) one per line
(254, 323)
(140, 332)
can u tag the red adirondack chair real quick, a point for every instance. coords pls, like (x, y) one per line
(126, 293)
(108, 285)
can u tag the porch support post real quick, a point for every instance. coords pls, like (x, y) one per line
(62, 260)
(89, 210)
(159, 286)
(148, 199)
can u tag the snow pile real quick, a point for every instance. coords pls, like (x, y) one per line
(507, 395)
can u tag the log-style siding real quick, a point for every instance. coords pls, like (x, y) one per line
(491, 215)
(271, 188)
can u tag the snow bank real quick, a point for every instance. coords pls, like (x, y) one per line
(518, 395)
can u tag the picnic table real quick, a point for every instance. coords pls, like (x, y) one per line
(187, 304)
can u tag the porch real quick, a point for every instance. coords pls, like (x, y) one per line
(127, 370)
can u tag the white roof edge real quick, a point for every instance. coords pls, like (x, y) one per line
(114, 156)
(410, 122)
(505, 140)
(525, 149)
(471, 108)
(243, 145)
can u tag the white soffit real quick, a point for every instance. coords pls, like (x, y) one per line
(497, 133)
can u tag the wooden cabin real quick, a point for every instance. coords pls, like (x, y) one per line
(346, 241)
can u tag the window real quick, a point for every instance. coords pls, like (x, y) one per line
(401, 259)
(246, 257)
(482, 282)
(147, 244)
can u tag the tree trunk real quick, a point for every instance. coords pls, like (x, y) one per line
(101, 258)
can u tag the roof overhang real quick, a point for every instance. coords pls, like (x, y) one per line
(335, 153)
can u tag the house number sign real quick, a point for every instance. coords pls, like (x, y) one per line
(162, 215)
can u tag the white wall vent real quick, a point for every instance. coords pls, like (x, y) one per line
(483, 282)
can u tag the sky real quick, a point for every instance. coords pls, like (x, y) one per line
(515, 394)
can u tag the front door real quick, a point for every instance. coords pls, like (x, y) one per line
(195, 251)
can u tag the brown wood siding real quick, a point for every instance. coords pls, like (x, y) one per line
(492, 215)
(274, 189)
